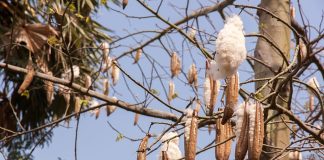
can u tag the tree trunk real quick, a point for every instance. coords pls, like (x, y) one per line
(277, 134)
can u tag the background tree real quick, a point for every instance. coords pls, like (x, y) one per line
(75, 72)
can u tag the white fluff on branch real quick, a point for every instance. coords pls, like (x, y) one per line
(230, 49)
(188, 119)
(239, 114)
(171, 146)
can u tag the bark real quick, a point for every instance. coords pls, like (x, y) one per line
(276, 134)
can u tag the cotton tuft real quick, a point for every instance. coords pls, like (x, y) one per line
(230, 49)
(170, 146)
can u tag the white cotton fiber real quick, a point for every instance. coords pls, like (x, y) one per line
(170, 146)
(230, 49)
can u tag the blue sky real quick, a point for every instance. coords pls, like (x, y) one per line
(96, 140)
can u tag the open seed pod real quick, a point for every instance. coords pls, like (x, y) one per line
(256, 130)
(223, 132)
(231, 92)
(28, 77)
(141, 153)
(211, 89)
(241, 131)
(175, 65)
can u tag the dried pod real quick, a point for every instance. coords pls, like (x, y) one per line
(67, 74)
(138, 55)
(170, 145)
(214, 86)
(87, 81)
(223, 132)
(136, 119)
(171, 91)
(107, 64)
(207, 93)
(192, 33)
(141, 153)
(175, 65)
(241, 132)
(97, 113)
(231, 93)
(313, 83)
(292, 12)
(115, 73)
(111, 108)
(295, 155)
(125, 2)
(191, 155)
(192, 76)
(105, 50)
(302, 49)
(106, 86)
(65, 91)
(77, 105)
(28, 77)
(188, 120)
(49, 87)
(256, 130)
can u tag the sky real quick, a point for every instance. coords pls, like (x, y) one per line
(96, 140)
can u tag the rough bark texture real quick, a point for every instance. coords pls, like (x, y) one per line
(277, 134)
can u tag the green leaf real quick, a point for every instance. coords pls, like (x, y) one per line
(174, 96)
(154, 91)
(25, 93)
(84, 102)
(119, 137)
(103, 2)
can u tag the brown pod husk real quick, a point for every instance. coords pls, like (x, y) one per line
(136, 117)
(87, 81)
(115, 73)
(171, 91)
(141, 153)
(49, 86)
(223, 132)
(28, 78)
(256, 139)
(193, 76)
(242, 139)
(232, 90)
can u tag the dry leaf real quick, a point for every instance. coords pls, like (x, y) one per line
(35, 36)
